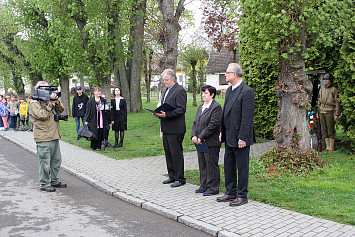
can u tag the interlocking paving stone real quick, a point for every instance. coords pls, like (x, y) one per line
(119, 178)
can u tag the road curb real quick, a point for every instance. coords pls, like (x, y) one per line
(200, 225)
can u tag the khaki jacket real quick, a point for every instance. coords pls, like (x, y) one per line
(45, 128)
(328, 100)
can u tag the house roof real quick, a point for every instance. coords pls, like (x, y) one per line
(219, 61)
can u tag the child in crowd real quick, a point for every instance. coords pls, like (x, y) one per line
(23, 111)
(4, 113)
(12, 108)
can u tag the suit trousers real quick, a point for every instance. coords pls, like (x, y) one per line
(174, 155)
(236, 157)
(209, 170)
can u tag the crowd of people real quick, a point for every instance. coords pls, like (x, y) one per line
(232, 125)
(14, 112)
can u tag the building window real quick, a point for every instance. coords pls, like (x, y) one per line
(222, 79)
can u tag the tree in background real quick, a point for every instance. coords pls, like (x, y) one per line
(190, 58)
(220, 25)
(279, 31)
(169, 33)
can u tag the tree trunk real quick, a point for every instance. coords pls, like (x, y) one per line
(170, 32)
(136, 100)
(65, 93)
(292, 90)
(18, 84)
(35, 77)
(106, 86)
(116, 76)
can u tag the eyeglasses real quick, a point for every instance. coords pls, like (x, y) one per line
(230, 72)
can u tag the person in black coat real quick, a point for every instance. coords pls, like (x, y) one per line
(80, 101)
(206, 128)
(94, 118)
(173, 127)
(119, 116)
(238, 134)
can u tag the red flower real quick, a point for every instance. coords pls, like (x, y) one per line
(314, 119)
(311, 125)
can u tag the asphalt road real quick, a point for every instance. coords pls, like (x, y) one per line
(79, 210)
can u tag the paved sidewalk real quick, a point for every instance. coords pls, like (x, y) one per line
(139, 181)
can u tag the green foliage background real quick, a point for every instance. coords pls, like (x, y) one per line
(345, 77)
(260, 75)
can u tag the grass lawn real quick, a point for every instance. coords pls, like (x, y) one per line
(142, 138)
(328, 193)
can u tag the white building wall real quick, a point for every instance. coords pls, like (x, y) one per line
(213, 80)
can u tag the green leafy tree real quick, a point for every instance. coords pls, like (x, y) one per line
(345, 77)
(192, 58)
(280, 32)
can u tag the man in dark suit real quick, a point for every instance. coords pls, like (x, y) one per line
(173, 127)
(238, 134)
(206, 128)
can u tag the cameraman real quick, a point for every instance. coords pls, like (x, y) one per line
(46, 135)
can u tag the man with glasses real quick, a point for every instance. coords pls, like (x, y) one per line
(329, 111)
(238, 134)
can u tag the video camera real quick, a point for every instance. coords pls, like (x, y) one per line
(44, 93)
(58, 117)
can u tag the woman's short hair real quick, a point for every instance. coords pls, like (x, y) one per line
(211, 89)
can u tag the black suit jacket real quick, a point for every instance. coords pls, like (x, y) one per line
(238, 113)
(174, 123)
(207, 125)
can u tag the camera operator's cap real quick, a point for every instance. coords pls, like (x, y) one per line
(78, 87)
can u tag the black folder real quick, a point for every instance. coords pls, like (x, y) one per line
(203, 148)
(164, 107)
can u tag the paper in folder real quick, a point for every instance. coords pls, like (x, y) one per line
(164, 107)
(203, 148)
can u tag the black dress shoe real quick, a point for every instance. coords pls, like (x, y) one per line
(59, 185)
(207, 193)
(238, 202)
(48, 189)
(177, 184)
(226, 198)
(199, 190)
(169, 181)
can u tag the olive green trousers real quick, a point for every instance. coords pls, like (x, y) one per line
(328, 125)
(50, 160)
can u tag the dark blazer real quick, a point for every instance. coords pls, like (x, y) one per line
(119, 116)
(238, 113)
(91, 114)
(174, 123)
(207, 125)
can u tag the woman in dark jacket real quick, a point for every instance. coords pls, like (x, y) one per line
(119, 116)
(94, 118)
(206, 128)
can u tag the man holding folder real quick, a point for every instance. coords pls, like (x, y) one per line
(173, 127)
